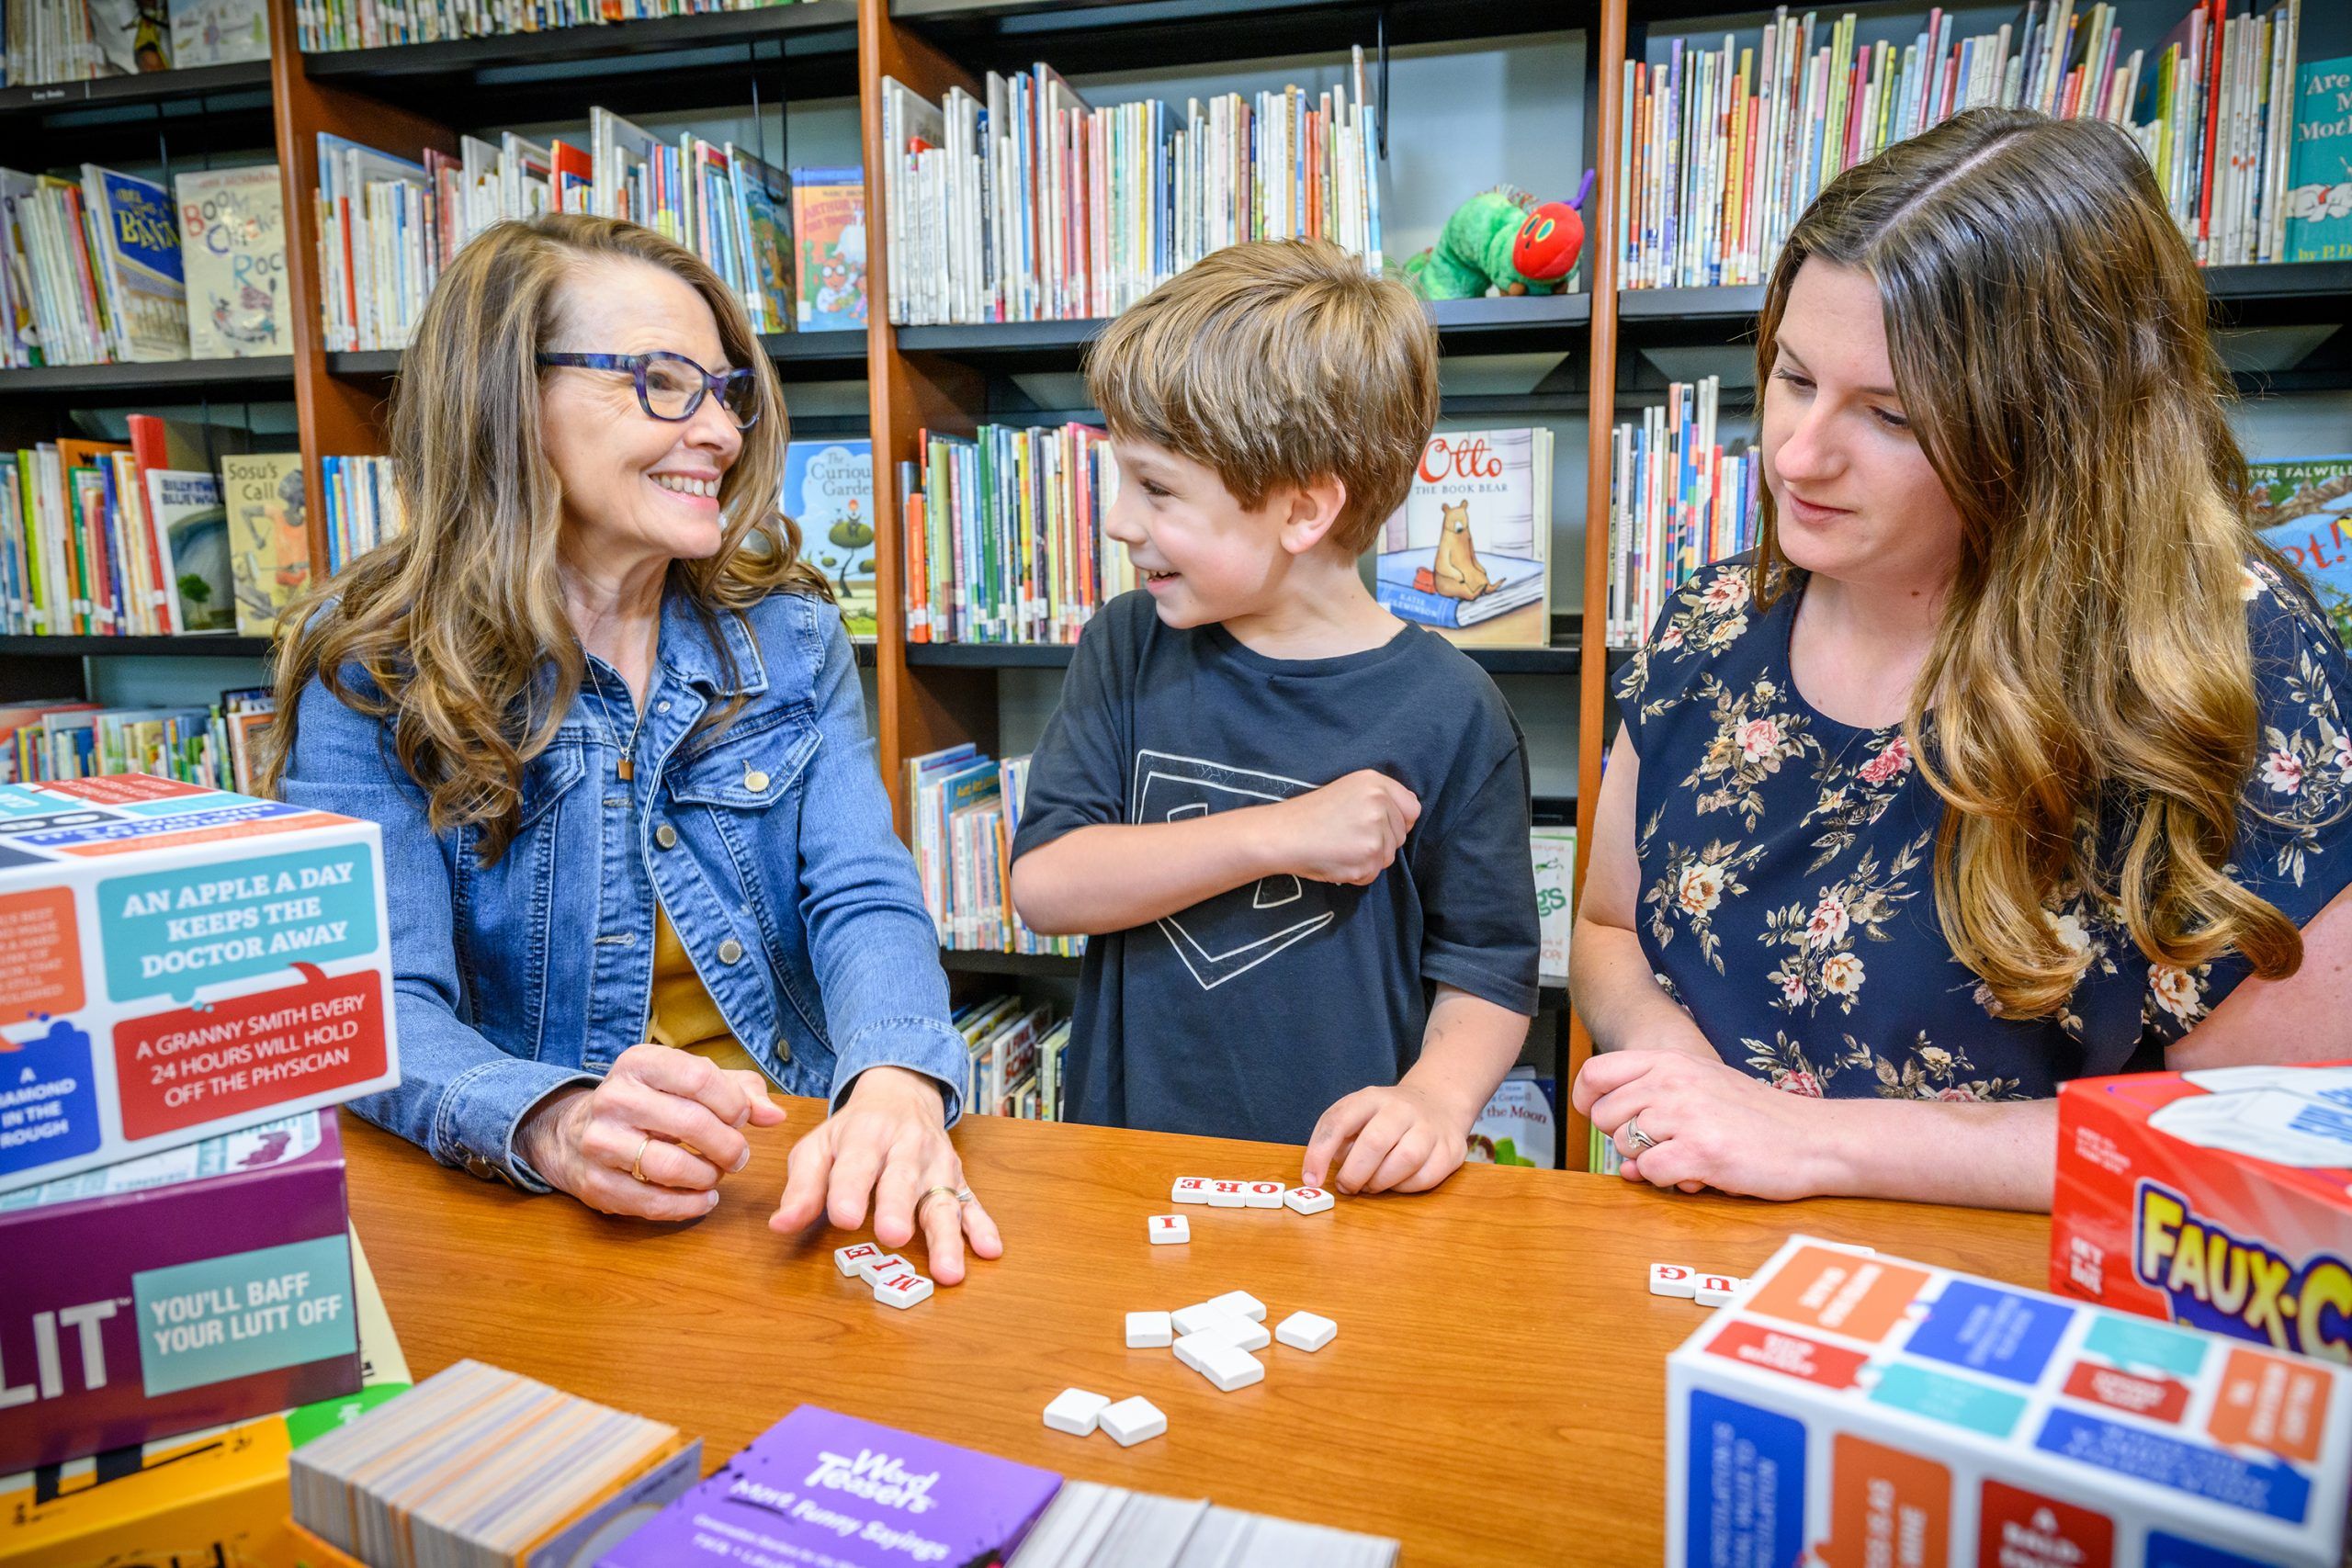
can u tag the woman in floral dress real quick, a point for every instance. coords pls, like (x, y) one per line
(2010, 755)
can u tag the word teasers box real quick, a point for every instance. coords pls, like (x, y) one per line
(201, 1286)
(177, 961)
(1849, 1409)
(2221, 1198)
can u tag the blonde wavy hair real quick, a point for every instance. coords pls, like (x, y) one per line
(458, 622)
(2091, 679)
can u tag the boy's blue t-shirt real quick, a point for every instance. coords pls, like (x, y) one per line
(1248, 1015)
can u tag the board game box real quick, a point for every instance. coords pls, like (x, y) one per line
(2221, 1198)
(1849, 1409)
(178, 962)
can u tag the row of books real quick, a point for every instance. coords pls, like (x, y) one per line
(133, 538)
(1723, 149)
(1003, 541)
(115, 269)
(387, 226)
(965, 810)
(1016, 1057)
(324, 25)
(216, 746)
(363, 506)
(1002, 535)
(74, 41)
(1027, 204)
(1677, 499)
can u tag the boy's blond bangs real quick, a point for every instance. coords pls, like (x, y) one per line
(1277, 362)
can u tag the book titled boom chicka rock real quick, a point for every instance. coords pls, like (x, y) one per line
(819, 1486)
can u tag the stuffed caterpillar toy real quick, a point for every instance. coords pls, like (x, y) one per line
(1504, 239)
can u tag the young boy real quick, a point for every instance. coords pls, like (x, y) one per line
(1280, 814)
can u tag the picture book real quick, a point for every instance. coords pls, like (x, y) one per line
(828, 490)
(192, 536)
(132, 36)
(1469, 552)
(232, 254)
(270, 547)
(829, 231)
(2303, 507)
(219, 32)
(137, 256)
(763, 223)
(2319, 196)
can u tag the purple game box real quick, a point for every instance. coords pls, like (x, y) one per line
(206, 1284)
(822, 1487)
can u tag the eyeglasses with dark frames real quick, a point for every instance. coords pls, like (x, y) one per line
(670, 387)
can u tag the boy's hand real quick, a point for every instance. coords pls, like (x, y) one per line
(1349, 830)
(1403, 1140)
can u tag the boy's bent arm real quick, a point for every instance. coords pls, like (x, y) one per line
(1114, 876)
(1411, 1138)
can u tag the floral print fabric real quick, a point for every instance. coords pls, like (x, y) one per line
(1787, 866)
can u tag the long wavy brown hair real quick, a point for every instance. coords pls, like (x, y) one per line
(2091, 681)
(458, 622)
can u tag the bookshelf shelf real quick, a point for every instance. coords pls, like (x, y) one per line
(272, 375)
(1119, 34)
(155, 88)
(193, 647)
(1465, 327)
(803, 49)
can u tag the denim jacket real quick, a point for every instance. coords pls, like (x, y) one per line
(769, 844)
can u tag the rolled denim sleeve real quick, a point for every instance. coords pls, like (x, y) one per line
(871, 941)
(460, 1098)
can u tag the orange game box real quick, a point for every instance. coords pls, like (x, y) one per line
(2219, 1199)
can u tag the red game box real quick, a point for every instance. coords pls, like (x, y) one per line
(2220, 1198)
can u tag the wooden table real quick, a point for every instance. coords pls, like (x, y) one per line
(1497, 1389)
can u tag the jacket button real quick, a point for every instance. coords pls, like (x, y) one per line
(730, 951)
(756, 782)
(666, 836)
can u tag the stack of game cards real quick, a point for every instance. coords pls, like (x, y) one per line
(478, 1468)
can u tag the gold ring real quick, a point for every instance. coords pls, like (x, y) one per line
(938, 1192)
(965, 1195)
(637, 1166)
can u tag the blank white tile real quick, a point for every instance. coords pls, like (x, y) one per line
(1226, 1195)
(1673, 1280)
(1220, 1361)
(1199, 1316)
(847, 1259)
(1262, 1195)
(1307, 1200)
(1075, 1411)
(1306, 1331)
(1149, 1331)
(872, 1269)
(1130, 1421)
(1168, 1230)
(1242, 1333)
(901, 1289)
(1190, 1189)
(1241, 1304)
(1716, 1290)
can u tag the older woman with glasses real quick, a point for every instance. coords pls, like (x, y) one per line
(640, 858)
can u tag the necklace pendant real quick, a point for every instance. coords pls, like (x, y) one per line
(626, 769)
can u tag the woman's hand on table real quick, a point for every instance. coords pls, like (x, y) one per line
(1709, 1125)
(669, 1115)
(888, 1142)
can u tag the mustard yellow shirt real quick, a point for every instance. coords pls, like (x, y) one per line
(683, 1015)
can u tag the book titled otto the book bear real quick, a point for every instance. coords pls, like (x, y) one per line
(1469, 552)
